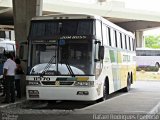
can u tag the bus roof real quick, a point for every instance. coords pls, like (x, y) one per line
(66, 16)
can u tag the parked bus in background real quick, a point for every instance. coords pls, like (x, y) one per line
(148, 57)
(78, 57)
(6, 46)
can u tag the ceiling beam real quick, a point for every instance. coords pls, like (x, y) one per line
(139, 25)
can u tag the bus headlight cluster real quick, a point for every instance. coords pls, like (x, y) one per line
(84, 83)
(33, 83)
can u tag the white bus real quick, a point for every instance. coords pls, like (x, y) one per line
(78, 57)
(148, 57)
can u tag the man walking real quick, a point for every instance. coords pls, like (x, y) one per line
(8, 74)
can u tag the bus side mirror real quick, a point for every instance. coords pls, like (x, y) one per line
(101, 53)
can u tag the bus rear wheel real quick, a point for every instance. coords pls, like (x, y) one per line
(157, 64)
(127, 88)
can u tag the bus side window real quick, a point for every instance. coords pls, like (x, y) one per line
(105, 35)
(98, 30)
(113, 38)
(109, 36)
(127, 42)
(134, 44)
(121, 42)
(118, 39)
(130, 43)
(125, 38)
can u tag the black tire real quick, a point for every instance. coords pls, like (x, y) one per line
(127, 88)
(105, 90)
(157, 65)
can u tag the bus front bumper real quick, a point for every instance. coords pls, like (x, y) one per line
(62, 93)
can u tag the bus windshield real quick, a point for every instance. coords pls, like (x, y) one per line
(50, 29)
(62, 57)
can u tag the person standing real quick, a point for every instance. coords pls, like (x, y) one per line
(8, 75)
(18, 74)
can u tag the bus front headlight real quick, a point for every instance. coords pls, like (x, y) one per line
(84, 83)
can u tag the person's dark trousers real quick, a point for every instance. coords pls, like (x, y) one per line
(18, 88)
(10, 89)
(4, 87)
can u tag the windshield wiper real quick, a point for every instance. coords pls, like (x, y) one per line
(68, 66)
(47, 66)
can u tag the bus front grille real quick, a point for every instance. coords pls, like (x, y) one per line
(58, 82)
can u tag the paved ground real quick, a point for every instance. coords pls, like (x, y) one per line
(142, 100)
(144, 97)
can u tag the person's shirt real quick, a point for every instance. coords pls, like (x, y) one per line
(10, 65)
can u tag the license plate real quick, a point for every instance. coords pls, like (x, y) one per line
(33, 93)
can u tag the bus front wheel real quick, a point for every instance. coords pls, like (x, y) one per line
(105, 90)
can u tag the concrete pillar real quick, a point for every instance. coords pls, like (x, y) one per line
(23, 11)
(140, 39)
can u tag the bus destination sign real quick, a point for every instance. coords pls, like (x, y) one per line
(74, 37)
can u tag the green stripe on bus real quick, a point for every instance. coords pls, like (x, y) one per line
(119, 58)
(112, 57)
